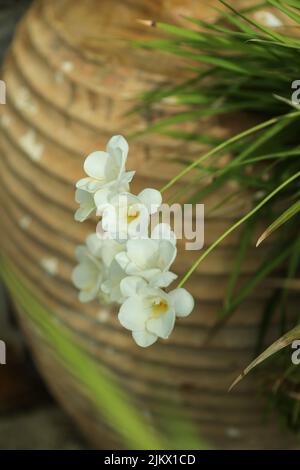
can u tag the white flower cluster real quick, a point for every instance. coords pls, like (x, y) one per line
(119, 265)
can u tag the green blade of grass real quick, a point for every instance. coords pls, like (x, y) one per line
(282, 219)
(227, 144)
(281, 343)
(268, 314)
(293, 3)
(245, 242)
(236, 225)
(288, 12)
(268, 31)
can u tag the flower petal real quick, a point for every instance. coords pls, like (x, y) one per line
(89, 184)
(148, 274)
(87, 296)
(163, 232)
(122, 259)
(86, 201)
(117, 147)
(110, 249)
(126, 177)
(94, 244)
(81, 253)
(182, 301)
(95, 164)
(138, 228)
(83, 276)
(142, 252)
(163, 324)
(130, 285)
(101, 198)
(144, 338)
(163, 280)
(83, 197)
(151, 198)
(111, 286)
(83, 213)
(167, 254)
(133, 314)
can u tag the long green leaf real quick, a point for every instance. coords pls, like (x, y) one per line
(282, 219)
(245, 242)
(281, 343)
(291, 14)
(268, 314)
(269, 31)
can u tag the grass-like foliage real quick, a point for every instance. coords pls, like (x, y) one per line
(239, 64)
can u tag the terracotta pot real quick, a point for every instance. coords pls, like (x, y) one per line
(69, 82)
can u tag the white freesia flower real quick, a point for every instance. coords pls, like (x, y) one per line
(87, 276)
(126, 215)
(121, 263)
(150, 258)
(149, 312)
(106, 170)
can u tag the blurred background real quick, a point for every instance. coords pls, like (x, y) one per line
(29, 417)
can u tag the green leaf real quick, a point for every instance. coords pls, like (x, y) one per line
(182, 32)
(235, 20)
(281, 343)
(245, 243)
(282, 219)
(266, 319)
(291, 14)
(270, 32)
(293, 3)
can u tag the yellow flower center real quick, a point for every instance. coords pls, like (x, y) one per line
(132, 214)
(159, 307)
